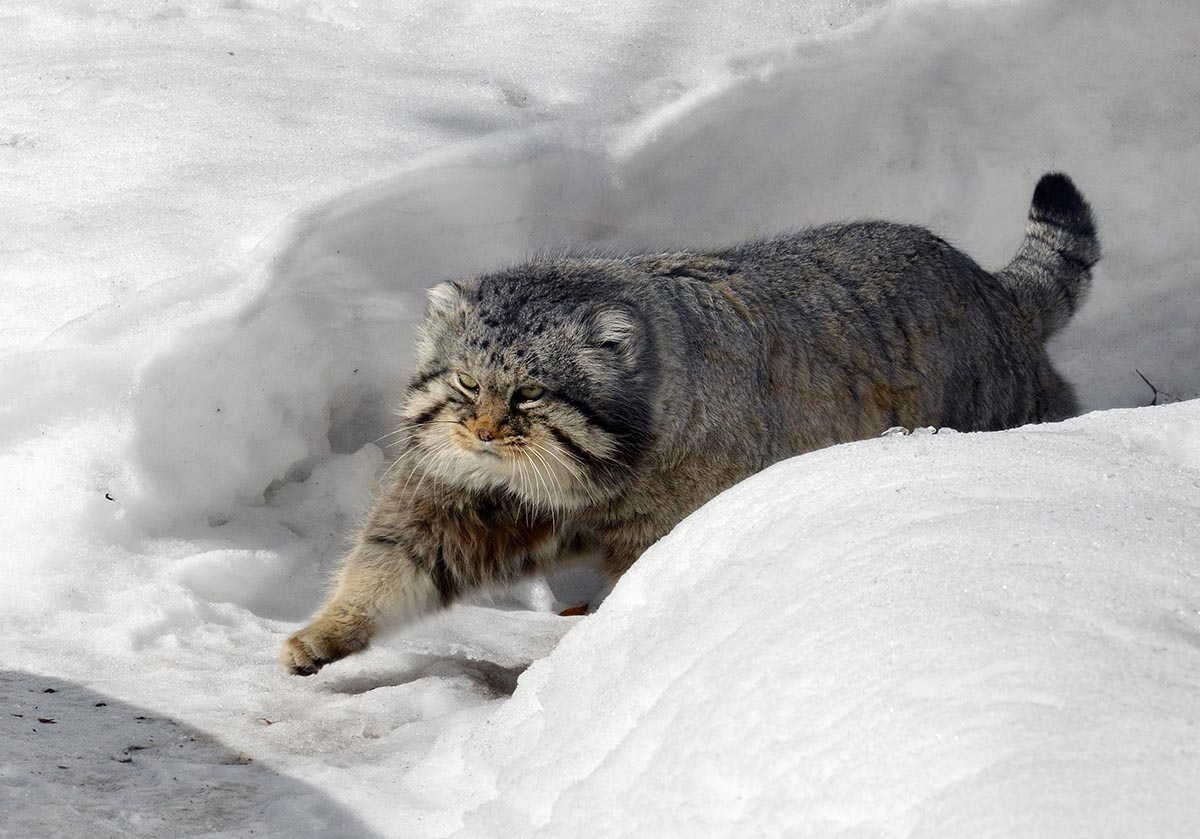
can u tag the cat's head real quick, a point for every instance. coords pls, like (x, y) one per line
(537, 380)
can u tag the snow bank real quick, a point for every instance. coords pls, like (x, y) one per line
(932, 635)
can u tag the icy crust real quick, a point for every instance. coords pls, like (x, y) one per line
(922, 636)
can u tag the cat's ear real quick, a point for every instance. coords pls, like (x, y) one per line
(445, 304)
(443, 300)
(613, 328)
(616, 330)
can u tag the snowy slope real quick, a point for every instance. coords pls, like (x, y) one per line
(934, 635)
(216, 221)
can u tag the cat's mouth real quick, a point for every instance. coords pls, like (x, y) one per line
(533, 470)
(484, 448)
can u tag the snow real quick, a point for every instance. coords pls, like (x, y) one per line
(137, 775)
(895, 637)
(216, 225)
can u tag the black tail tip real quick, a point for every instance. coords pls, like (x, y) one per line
(1057, 201)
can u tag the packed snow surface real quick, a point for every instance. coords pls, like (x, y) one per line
(217, 221)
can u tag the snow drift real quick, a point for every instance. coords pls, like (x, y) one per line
(932, 635)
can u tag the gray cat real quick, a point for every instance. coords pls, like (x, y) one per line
(589, 404)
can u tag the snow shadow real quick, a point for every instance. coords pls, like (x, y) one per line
(497, 680)
(80, 763)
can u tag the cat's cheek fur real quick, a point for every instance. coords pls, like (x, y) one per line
(426, 404)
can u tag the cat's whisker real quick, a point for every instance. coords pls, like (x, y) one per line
(577, 469)
(403, 494)
(401, 430)
(427, 457)
(545, 486)
(523, 496)
(554, 475)
(435, 460)
(573, 467)
(576, 475)
(409, 448)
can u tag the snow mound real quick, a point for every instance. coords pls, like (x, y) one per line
(931, 635)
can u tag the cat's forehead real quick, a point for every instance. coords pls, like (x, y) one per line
(515, 296)
(498, 348)
(499, 334)
(529, 321)
(521, 308)
(506, 358)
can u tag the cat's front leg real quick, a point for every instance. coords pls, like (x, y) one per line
(379, 585)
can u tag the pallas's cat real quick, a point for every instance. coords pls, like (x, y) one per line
(591, 403)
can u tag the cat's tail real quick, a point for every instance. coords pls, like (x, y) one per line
(1051, 273)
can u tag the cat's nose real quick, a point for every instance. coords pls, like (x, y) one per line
(484, 433)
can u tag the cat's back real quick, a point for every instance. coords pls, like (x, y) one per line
(882, 296)
(878, 323)
(872, 257)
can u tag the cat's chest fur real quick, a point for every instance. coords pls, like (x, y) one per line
(466, 538)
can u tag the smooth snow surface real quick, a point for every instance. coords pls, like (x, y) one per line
(217, 220)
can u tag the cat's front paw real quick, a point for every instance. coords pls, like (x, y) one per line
(310, 649)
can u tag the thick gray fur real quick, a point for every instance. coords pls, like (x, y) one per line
(669, 377)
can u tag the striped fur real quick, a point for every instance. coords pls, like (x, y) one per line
(590, 403)
(1051, 273)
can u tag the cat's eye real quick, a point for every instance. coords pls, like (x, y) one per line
(530, 393)
(468, 381)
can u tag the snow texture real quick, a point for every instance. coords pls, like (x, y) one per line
(217, 222)
(931, 635)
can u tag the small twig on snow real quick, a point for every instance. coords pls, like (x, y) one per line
(1157, 393)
